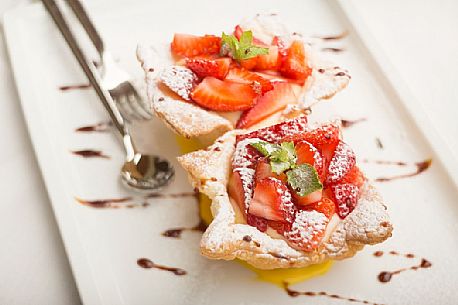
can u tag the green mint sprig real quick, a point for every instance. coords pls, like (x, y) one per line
(241, 49)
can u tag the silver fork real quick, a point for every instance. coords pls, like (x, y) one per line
(117, 81)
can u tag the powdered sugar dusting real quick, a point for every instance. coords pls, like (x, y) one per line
(247, 177)
(245, 155)
(343, 160)
(346, 196)
(307, 230)
(180, 80)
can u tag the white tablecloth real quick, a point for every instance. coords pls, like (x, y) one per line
(419, 37)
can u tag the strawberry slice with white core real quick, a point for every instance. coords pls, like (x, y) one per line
(307, 230)
(307, 153)
(204, 67)
(240, 187)
(289, 130)
(272, 200)
(345, 197)
(191, 45)
(294, 64)
(180, 80)
(242, 75)
(342, 162)
(218, 95)
(268, 104)
(269, 61)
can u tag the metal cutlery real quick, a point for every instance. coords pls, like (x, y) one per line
(140, 171)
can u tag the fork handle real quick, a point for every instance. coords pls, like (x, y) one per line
(80, 12)
(87, 66)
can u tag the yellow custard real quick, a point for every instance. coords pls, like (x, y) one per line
(276, 276)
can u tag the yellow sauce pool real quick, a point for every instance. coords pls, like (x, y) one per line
(276, 276)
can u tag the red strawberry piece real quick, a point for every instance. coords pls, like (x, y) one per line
(249, 63)
(244, 76)
(325, 206)
(190, 45)
(270, 61)
(280, 43)
(180, 80)
(240, 187)
(345, 197)
(342, 162)
(266, 105)
(279, 226)
(209, 67)
(325, 139)
(308, 199)
(238, 33)
(258, 222)
(276, 77)
(307, 153)
(289, 130)
(219, 95)
(294, 64)
(245, 155)
(272, 201)
(354, 176)
(264, 170)
(307, 230)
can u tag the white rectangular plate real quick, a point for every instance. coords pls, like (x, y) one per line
(103, 245)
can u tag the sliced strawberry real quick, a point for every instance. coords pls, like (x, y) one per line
(307, 199)
(323, 136)
(180, 80)
(280, 43)
(307, 153)
(244, 76)
(238, 33)
(325, 139)
(294, 65)
(307, 230)
(268, 104)
(345, 197)
(209, 67)
(325, 206)
(245, 155)
(219, 95)
(240, 188)
(342, 162)
(258, 222)
(270, 61)
(289, 130)
(264, 170)
(190, 45)
(249, 63)
(354, 176)
(272, 201)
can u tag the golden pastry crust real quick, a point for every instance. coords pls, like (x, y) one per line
(190, 120)
(226, 239)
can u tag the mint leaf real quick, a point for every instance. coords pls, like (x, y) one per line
(265, 148)
(279, 167)
(240, 49)
(246, 39)
(282, 157)
(304, 179)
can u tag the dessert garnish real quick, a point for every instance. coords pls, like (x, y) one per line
(217, 82)
(287, 195)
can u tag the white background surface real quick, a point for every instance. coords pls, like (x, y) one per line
(417, 36)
